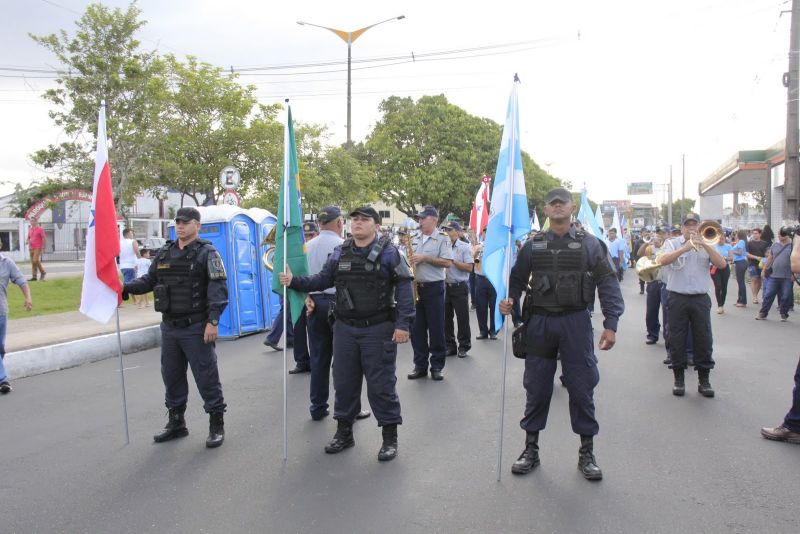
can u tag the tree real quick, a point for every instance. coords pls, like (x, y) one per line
(102, 62)
(433, 152)
(688, 205)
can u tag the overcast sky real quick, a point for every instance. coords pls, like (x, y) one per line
(612, 92)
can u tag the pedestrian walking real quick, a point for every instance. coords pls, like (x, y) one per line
(9, 273)
(373, 312)
(559, 270)
(778, 282)
(36, 241)
(128, 254)
(720, 276)
(756, 254)
(188, 281)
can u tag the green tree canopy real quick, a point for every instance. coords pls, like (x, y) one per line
(433, 152)
(688, 205)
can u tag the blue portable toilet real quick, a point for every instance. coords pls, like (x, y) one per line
(265, 221)
(234, 234)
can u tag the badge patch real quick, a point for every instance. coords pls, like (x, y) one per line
(344, 265)
(539, 245)
(574, 244)
(163, 266)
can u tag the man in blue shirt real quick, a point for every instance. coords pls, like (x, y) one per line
(9, 272)
(616, 249)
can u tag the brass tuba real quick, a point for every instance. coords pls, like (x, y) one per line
(647, 268)
(269, 255)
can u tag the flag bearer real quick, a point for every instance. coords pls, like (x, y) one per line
(189, 288)
(564, 266)
(373, 310)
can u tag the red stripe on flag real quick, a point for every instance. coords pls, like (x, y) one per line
(106, 238)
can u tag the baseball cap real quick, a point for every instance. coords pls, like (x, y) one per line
(187, 214)
(427, 211)
(328, 214)
(453, 225)
(402, 230)
(310, 226)
(367, 211)
(558, 193)
(690, 217)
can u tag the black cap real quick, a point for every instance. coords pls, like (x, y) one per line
(690, 217)
(367, 211)
(453, 225)
(187, 214)
(310, 226)
(328, 214)
(402, 230)
(427, 211)
(664, 229)
(558, 193)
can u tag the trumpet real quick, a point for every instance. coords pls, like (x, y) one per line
(410, 256)
(710, 232)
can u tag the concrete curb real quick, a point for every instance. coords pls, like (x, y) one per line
(63, 355)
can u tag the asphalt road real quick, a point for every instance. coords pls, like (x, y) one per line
(671, 464)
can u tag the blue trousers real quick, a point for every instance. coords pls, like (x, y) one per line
(183, 347)
(780, 287)
(485, 300)
(741, 268)
(3, 322)
(365, 353)
(427, 332)
(572, 337)
(320, 337)
(690, 313)
(295, 335)
(276, 330)
(653, 307)
(792, 419)
(665, 318)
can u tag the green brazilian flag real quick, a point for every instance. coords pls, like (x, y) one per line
(289, 227)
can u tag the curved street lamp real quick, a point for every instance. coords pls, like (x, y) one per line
(349, 37)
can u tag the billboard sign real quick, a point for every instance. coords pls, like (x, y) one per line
(640, 188)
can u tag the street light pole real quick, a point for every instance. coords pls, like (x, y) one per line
(349, 37)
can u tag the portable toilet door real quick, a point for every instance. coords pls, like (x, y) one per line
(246, 265)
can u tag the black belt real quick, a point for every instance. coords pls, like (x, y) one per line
(329, 296)
(455, 284)
(555, 313)
(183, 321)
(369, 321)
(431, 284)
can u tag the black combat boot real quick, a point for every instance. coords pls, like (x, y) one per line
(343, 439)
(389, 448)
(529, 457)
(703, 385)
(176, 426)
(586, 461)
(679, 388)
(216, 430)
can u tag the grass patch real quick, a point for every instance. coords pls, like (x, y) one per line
(56, 295)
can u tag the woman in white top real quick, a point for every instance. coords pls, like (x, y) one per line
(128, 253)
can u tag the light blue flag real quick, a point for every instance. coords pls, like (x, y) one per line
(587, 219)
(508, 215)
(598, 216)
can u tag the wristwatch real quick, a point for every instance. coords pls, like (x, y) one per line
(214, 322)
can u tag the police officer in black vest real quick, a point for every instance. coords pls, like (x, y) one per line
(189, 288)
(559, 269)
(373, 311)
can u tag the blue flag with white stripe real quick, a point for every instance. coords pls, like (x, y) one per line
(508, 215)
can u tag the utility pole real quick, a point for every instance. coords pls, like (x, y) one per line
(790, 81)
(669, 199)
(683, 184)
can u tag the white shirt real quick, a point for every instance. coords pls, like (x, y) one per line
(127, 257)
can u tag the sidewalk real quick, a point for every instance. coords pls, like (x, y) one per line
(45, 343)
(43, 330)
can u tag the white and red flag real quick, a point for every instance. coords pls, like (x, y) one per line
(479, 217)
(101, 292)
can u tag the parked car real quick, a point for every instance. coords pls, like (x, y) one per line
(151, 243)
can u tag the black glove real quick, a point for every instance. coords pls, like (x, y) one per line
(125, 295)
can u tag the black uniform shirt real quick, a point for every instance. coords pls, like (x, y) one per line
(216, 292)
(390, 260)
(607, 284)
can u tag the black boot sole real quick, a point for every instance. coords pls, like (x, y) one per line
(339, 448)
(591, 476)
(181, 433)
(214, 444)
(678, 392)
(524, 470)
(387, 457)
(706, 393)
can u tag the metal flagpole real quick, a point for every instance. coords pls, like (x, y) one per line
(286, 306)
(507, 273)
(122, 382)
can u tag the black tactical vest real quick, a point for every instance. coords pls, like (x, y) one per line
(362, 291)
(184, 278)
(558, 273)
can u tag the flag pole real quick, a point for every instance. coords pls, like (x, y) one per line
(286, 306)
(507, 272)
(122, 383)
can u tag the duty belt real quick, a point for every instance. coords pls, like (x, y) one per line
(455, 284)
(555, 313)
(183, 321)
(369, 321)
(431, 284)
